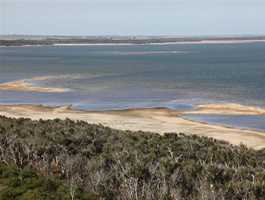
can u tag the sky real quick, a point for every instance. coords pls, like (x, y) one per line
(133, 17)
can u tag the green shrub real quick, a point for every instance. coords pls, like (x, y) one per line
(51, 159)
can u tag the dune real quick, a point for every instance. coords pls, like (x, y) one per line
(158, 120)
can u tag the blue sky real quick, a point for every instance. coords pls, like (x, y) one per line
(132, 17)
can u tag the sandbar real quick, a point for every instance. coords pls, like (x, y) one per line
(26, 86)
(227, 109)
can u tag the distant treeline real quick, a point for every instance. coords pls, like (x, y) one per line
(63, 159)
(20, 41)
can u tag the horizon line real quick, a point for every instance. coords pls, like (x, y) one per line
(118, 35)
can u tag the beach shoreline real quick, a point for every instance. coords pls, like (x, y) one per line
(226, 108)
(159, 120)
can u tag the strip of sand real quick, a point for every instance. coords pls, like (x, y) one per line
(227, 109)
(26, 86)
(158, 120)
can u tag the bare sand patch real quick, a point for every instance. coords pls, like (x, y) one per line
(24, 85)
(227, 109)
(158, 120)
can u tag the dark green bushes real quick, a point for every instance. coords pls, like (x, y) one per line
(132, 165)
(25, 184)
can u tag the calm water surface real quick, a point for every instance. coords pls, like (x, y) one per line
(241, 121)
(116, 77)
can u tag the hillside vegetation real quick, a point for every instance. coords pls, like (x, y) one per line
(63, 159)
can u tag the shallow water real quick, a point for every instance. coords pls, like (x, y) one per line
(178, 76)
(239, 121)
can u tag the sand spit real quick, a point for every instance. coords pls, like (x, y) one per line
(227, 109)
(26, 85)
(158, 120)
(23, 85)
(63, 76)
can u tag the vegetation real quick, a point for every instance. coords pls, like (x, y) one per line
(25, 184)
(85, 161)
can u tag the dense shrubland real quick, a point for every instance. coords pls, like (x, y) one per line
(95, 162)
(25, 184)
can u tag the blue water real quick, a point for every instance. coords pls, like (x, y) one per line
(178, 76)
(241, 121)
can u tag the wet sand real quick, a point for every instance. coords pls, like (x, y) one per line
(160, 120)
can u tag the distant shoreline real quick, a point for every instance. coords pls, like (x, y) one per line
(23, 41)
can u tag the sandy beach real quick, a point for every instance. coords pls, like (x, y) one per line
(160, 120)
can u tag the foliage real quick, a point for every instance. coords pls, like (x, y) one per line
(131, 165)
(25, 184)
